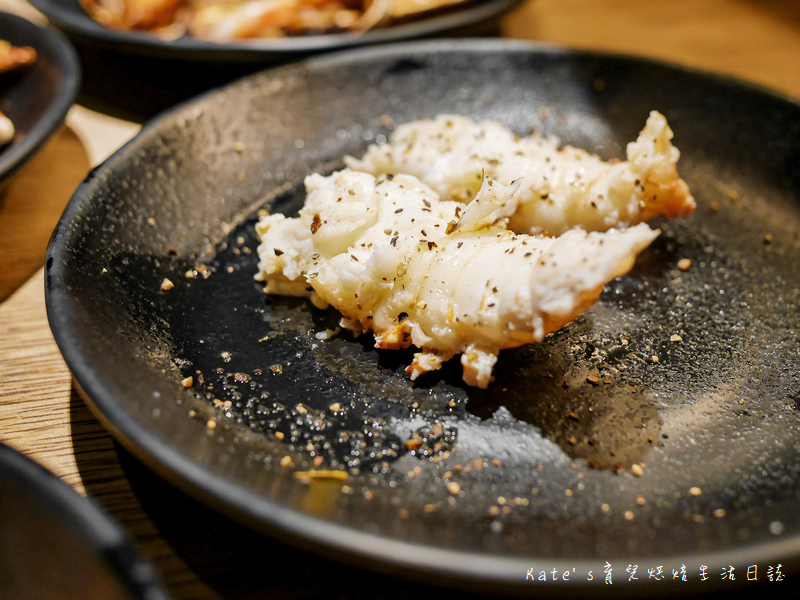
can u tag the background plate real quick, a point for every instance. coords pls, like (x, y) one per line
(543, 457)
(159, 73)
(36, 99)
(56, 544)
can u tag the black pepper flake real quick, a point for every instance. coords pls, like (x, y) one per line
(389, 176)
(426, 202)
(402, 317)
(354, 258)
(399, 210)
(393, 241)
(432, 245)
(277, 252)
(315, 224)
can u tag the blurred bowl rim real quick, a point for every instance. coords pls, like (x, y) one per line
(87, 520)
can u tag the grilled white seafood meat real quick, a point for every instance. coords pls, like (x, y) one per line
(563, 187)
(416, 270)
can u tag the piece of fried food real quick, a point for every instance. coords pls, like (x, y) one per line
(15, 57)
(236, 20)
(7, 130)
(135, 14)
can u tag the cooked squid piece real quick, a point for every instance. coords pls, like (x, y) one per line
(446, 278)
(563, 187)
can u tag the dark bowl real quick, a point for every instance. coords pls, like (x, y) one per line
(56, 544)
(139, 75)
(36, 99)
(717, 411)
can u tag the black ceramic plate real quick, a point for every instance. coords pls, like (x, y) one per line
(136, 75)
(70, 16)
(56, 544)
(543, 458)
(36, 99)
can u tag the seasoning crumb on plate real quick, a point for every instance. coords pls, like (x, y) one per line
(322, 474)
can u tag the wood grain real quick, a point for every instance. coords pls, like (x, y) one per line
(33, 202)
(755, 40)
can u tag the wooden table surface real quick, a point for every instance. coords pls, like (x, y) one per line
(198, 553)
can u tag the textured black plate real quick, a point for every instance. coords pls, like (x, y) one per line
(35, 99)
(716, 411)
(56, 544)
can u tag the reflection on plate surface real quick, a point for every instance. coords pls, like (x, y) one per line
(543, 459)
